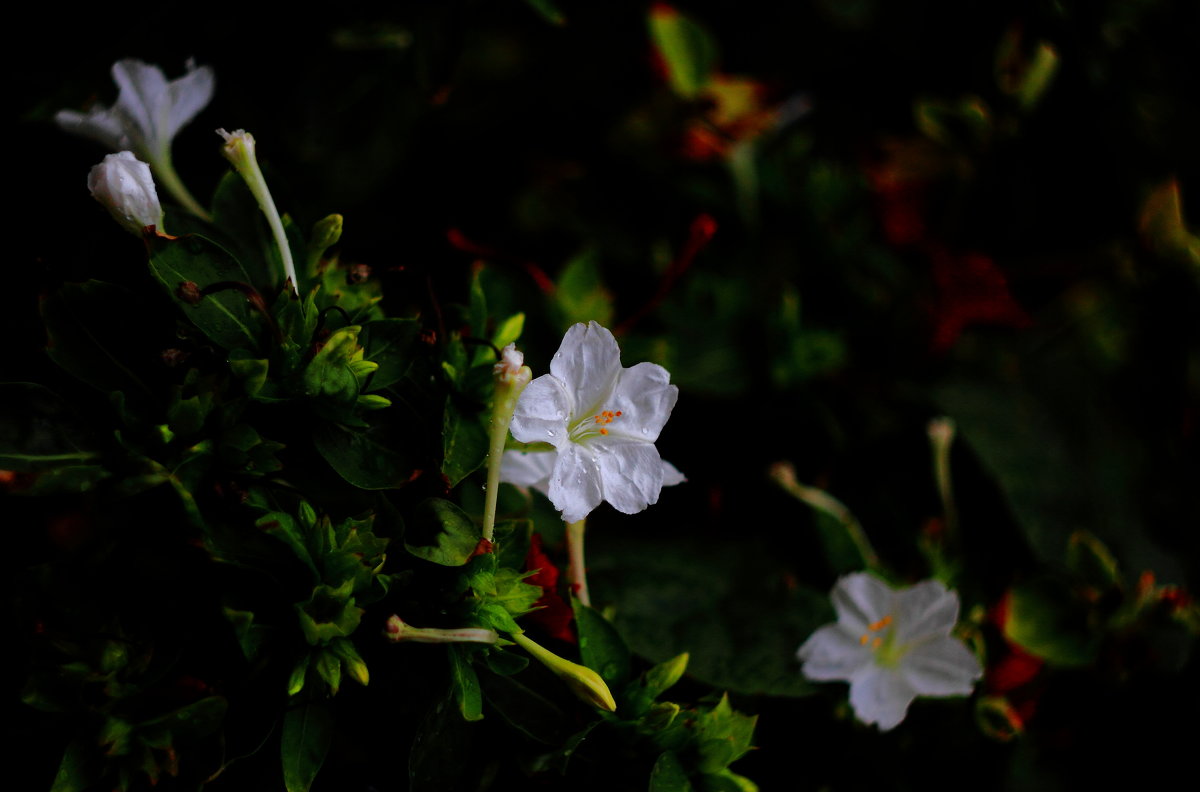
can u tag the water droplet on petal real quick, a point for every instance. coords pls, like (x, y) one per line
(549, 433)
(645, 431)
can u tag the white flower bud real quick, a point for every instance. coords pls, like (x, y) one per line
(124, 185)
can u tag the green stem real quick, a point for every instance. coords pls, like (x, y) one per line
(164, 170)
(511, 377)
(577, 569)
(822, 501)
(240, 150)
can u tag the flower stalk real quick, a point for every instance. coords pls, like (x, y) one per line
(511, 375)
(585, 683)
(397, 631)
(785, 476)
(239, 150)
(577, 569)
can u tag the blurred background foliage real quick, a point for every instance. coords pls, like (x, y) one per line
(832, 222)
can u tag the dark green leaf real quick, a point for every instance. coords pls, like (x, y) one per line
(601, 647)
(465, 683)
(435, 762)
(225, 316)
(361, 457)
(580, 295)
(73, 774)
(1045, 620)
(465, 445)
(668, 775)
(442, 533)
(38, 431)
(391, 344)
(526, 711)
(307, 734)
(95, 334)
(687, 50)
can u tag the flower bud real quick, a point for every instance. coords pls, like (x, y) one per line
(511, 370)
(124, 185)
(396, 631)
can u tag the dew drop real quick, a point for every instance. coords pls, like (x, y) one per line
(549, 433)
(645, 431)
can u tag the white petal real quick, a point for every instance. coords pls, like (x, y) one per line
(542, 410)
(123, 184)
(645, 398)
(100, 124)
(880, 696)
(861, 599)
(631, 473)
(671, 475)
(187, 96)
(588, 362)
(143, 92)
(923, 610)
(575, 484)
(941, 667)
(831, 653)
(528, 469)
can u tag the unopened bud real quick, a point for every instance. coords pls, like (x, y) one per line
(123, 184)
(585, 683)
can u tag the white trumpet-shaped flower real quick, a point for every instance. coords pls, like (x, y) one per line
(123, 184)
(149, 112)
(602, 420)
(534, 468)
(149, 109)
(891, 645)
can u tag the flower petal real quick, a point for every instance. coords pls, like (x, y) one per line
(831, 653)
(143, 92)
(631, 473)
(671, 475)
(645, 398)
(880, 696)
(924, 610)
(941, 667)
(541, 413)
(861, 599)
(588, 363)
(575, 488)
(528, 469)
(100, 124)
(187, 96)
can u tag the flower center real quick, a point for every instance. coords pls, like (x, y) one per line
(881, 640)
(593, 425)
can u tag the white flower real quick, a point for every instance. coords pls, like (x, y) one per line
(891, 645)
(124, 185)
(602, 420)
(534, 468)
(149, 110)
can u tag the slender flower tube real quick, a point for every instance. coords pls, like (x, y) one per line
(148, 114)
(124, 185)
(396, 631)
(239, 150)
(891, 645)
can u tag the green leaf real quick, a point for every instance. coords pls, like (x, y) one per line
(442, 533)
(73, 774)
(361, 456)
(307, 735)
(465, 444)
(580, 295)
(284, 528)
(465, 683)
(236, 213)
(668, 774)
(525, 710)
(601, 647)
(329, 613)
(96, 333)
(338, 371)
(732, 606)
(435, 761)
(1045, 620)
(38, 431)
(723, 736)
(687, 50)
(225, 316)
(389, 343)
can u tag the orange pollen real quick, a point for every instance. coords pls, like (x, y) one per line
(603, 431)
(879, 625)
(865, 637)
(606, 417)
(878, 642)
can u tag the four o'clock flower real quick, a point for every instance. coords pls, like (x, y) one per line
(891, 645)
(124, 185)
(148, 114)
(534, 468)
(602, 420)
